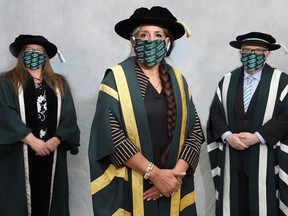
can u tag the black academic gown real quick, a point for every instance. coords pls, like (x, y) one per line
(15, 198)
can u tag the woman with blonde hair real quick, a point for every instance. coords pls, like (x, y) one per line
(38, 126)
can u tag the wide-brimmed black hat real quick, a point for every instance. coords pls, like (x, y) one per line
(156, 15)
(23, 40)
(256, 38)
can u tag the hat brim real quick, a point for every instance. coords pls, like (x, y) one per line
(16, 47)
(238, 44)
(124, 28)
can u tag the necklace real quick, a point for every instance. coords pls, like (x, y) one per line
(152, 77)
(157, 85)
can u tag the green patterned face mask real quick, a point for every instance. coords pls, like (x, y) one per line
(252, 61)
(33, 60)
(150, 52)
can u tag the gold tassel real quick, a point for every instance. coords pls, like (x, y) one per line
(61, 57)
(187, 30)
(285, 49)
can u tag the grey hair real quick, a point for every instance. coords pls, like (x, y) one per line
(133, 34)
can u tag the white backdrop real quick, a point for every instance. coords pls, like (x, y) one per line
(84, 32)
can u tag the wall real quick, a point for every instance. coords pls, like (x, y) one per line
(83, 31)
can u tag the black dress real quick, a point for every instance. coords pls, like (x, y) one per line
(41, 107)
(156, 109)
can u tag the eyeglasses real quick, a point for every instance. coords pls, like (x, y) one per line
(256, 51)
(41, 51)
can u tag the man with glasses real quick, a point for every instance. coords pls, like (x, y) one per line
(247, 133)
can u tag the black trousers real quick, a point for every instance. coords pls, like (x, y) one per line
(243, 183)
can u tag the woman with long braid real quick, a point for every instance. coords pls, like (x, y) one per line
(146, 135)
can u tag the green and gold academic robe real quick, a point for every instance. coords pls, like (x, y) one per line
(268, 163)
(15, 196)
(119, 191)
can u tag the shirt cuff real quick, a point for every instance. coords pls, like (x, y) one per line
(224, 136)
(262, 140)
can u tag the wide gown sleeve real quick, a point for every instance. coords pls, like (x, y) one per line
(68, 129)
(12, 129)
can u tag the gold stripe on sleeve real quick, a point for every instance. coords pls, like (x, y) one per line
(132, 131)
(121, 212)
(105, 179)
(187, 200)
(107, 89)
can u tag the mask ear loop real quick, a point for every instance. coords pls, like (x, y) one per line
(134, 40)
(167, 46)
(267, 53)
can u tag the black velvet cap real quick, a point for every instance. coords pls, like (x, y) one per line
(23, 40)
(156, 15)
(256, 38)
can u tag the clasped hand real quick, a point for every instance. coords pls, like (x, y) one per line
(45, 148)
(243, 140)
(165, 182)
(39, 146)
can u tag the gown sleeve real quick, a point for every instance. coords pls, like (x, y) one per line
(124, 148)
(12, 129)
(68, 129)
(192, 146)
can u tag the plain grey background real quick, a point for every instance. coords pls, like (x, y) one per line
(83, 30)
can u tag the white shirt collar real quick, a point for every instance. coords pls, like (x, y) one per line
(257, 75)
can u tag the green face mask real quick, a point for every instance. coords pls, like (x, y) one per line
(150, 52)
(252, 61)
(33, 60)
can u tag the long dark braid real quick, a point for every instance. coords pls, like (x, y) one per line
(171, 108)
(166, 85)
(167, 90)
